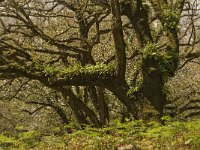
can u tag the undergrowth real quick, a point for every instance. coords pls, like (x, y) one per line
(116, 136)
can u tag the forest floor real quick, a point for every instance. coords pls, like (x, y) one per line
(132, 135)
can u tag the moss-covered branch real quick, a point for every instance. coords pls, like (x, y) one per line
(56, 76)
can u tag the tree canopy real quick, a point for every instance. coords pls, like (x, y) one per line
(85, 50)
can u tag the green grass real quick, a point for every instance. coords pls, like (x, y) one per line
(116, 136)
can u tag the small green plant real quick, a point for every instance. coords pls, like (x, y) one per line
(167, 60)
(166, 118)
(171, 19)
(6, 142)
(30, 138)
(151, 51)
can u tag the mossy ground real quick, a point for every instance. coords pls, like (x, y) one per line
(117, 136)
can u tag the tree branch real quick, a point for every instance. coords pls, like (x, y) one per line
(118, 37)
(77, 75)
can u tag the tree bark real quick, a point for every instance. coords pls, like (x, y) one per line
(80, 109)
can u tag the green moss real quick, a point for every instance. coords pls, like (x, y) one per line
(171, 19)
(136, 88)
(167, 61)
(99, 70)
(117, 135)
(6, 141)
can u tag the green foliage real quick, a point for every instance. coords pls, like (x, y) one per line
(19, 128)
(167, 61)
(171, 19)
(166, 118)
(24, 140)
(194, 137)
(100, 70)
(117, 135)
(6, 141)
(136, 88)
(30, 138)
(151, 51)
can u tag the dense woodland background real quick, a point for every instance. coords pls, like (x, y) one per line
(90, 62)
